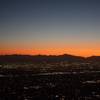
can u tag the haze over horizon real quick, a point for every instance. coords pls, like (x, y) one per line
(51, 27)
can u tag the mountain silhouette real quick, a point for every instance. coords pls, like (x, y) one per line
(39, 58)
(94, 58)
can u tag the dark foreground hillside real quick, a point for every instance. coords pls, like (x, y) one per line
(50, 86)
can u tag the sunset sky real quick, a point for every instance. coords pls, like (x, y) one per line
(50, 27)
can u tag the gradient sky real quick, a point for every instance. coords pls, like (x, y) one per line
(50, 27)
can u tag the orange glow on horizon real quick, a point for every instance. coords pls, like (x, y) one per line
(78, 52)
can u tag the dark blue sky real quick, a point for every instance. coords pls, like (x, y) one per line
(50, 24)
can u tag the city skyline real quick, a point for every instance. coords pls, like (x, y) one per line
(50, 27)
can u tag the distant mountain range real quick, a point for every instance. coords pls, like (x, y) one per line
(45, 58)
(94, 58)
